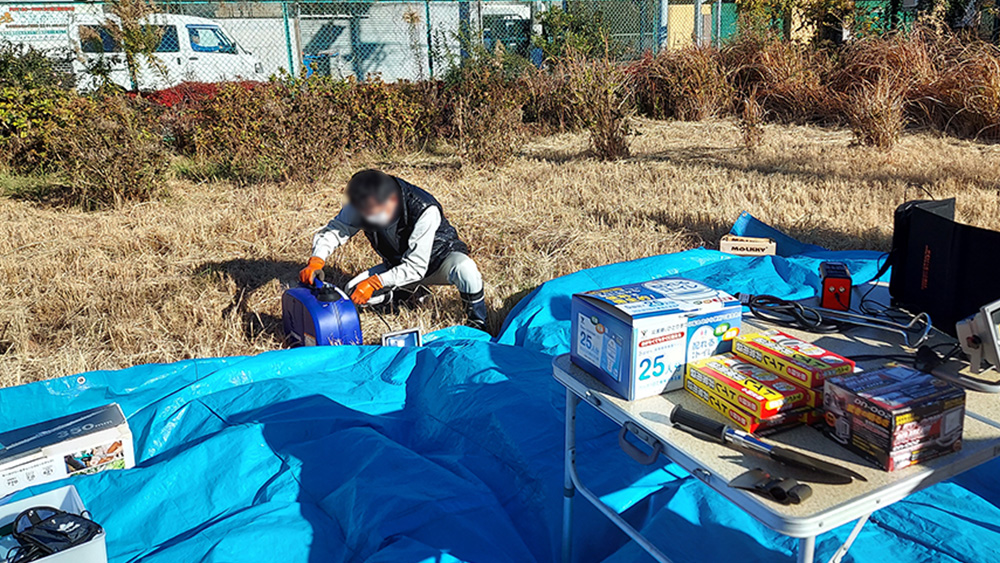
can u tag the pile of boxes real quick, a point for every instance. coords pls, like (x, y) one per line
(770, 381)
(649, 338)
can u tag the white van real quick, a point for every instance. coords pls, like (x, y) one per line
(191, 49)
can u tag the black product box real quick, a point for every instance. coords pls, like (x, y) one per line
(894, 416)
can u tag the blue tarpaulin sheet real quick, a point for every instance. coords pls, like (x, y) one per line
(450, 452)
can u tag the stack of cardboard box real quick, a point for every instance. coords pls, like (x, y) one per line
(771, 380)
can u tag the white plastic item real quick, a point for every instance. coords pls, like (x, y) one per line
(67, 500)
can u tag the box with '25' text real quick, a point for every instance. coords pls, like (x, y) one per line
(638, 338)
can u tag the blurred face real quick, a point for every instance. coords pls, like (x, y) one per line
(379, 214)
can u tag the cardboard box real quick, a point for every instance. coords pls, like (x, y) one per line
(747, 246)
(82, 443)
(750, 388)
(742, 419)
(894, 416)
(798, 361)
(637, 339)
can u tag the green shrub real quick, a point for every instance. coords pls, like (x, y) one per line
(32, 106)
(247, 133)
(296, 129)
(29, 117)
(179, 109)
(579, 29)
(387, 118)
(25, 67)
(110, 151)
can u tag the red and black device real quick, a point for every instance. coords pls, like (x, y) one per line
(836, 286)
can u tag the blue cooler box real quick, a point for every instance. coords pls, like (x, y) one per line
(322, 315)
(637, 339)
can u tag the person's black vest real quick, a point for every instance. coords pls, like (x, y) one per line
(413, 202)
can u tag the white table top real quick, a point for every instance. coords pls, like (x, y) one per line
(830, 505)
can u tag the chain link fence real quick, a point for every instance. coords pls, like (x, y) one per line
(399, 40)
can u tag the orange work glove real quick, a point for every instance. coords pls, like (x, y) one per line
(364, 290)
(309, 272)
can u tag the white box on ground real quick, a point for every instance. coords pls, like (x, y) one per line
(77, 444)
(747, 246)
(638, 338)
(67, 500)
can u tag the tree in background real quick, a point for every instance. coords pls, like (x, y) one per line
(761, 17)
(829, 19)
(131, 29)
(578, 29)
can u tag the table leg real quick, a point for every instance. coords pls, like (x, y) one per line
(569, 488)
(839, 556)
(573, 485)
(807, 550)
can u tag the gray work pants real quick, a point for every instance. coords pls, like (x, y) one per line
(457, 269)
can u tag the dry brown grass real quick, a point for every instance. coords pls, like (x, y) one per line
(200, 273)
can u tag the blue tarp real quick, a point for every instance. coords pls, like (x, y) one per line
(452, 452)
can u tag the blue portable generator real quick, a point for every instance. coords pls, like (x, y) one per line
(319, 315)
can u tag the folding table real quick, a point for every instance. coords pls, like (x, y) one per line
(829, 507)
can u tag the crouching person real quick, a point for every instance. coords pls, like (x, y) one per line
(407, 228)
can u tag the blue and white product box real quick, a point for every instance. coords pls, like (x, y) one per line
(637, 339)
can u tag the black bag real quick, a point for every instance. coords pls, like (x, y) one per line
(939, 267)
(43, 530)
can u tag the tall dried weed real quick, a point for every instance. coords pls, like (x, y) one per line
(687, 84)
(602, 94)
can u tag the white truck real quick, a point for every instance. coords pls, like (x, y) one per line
(191, 49)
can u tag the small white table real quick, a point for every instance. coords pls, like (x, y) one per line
(829, 507)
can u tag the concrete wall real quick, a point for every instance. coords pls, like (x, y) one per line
(385, 39)
(264, 37)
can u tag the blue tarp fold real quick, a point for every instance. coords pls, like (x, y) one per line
(451, 452)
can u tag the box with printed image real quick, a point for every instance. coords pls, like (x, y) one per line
(894, 416)
(637, 339)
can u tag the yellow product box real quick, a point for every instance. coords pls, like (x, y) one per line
(798, 361)
(751, 388)
(742, 419)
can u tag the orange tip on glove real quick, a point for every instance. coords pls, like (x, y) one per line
(364, 290)
(309, 272)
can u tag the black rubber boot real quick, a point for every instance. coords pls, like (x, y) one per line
(475, 310)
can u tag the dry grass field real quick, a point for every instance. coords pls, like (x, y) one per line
(199, 272)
